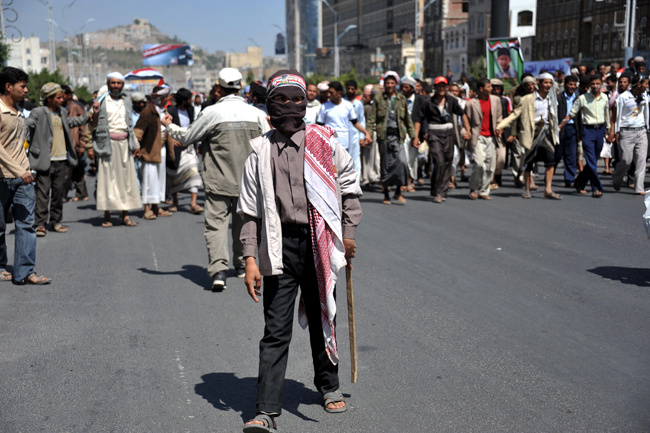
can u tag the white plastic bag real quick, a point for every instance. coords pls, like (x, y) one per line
(607, 150)
(646, 215)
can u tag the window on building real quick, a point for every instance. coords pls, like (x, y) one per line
(525, 18)
(481, 22)
(471, 24)
(29, 62)
(389, 20)
(605, 38)
(28, 51)
(643, 29)
(597, 39)
(465, 7)
(566, 42)
(574, 41)
(43, 60)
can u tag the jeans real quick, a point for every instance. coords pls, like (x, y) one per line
(22, 197)
(567, 151)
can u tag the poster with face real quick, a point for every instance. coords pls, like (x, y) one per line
(505, 61)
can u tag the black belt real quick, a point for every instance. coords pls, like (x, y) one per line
(632, 128)
(295, 229)
(600, 125)
(392, 130)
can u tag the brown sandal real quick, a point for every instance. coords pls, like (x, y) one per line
(128, 222)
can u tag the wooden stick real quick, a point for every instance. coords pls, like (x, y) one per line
(353, 331)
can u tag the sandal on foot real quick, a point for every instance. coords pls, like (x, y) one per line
(553, 196)
(269, 424)
(173, 208)
(40, 232)
(33, 279)
(400, 199)
(580, 190)
(59, 228)
(473, 195)
(164, 213)
(526, 195)
(107, 224)
(485, 197)
(149, 215)
(597, 194)
(196, 209)
(5, 276)
(386, 201)
(333, 397)
(128, 222)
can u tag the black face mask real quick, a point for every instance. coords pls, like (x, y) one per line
(287, 117)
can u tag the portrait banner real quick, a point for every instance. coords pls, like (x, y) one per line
(505, 60)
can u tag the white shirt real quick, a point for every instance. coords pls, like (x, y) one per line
(541, 108)
(629, 113)
(340, 118)
(184, 118)
(313, 108)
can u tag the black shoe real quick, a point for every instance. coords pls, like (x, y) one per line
(219, 282)
(241, 272)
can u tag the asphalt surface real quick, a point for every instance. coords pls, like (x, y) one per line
(472, 316)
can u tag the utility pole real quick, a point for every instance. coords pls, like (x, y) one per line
(500, 19)
(630, 16)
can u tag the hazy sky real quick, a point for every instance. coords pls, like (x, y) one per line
(211, 24)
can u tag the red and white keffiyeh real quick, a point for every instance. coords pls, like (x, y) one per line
(326, 228)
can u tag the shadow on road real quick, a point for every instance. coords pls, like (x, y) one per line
(196, 274)
(225, 391)
(635, 276)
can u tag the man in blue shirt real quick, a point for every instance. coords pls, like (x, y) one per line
(570, 134)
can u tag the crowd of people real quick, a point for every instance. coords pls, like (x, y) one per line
(286, 162)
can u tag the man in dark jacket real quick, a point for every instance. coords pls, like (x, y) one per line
(570, 135)
(77, 174)
(51, 153)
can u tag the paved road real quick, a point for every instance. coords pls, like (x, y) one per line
(510, 315)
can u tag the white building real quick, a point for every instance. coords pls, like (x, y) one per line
(523, 15)
(454, 39)
(28, 55)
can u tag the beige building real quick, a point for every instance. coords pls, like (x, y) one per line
(28, 55)
(127, 37)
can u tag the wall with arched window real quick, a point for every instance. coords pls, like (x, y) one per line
(597, 39)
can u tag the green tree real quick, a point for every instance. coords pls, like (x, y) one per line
(477, 69)
(5, 49)
(83, 93)
(37, 80)
(250, 77)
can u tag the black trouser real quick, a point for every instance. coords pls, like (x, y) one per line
(77, 176)
(441, 150)
(54, 179)
(279, 300)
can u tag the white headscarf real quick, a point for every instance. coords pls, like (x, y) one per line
(115, 75)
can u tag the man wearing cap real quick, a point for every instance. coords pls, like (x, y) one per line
(369, 152)
(51, 153)
(593, 106)
(527, 87)
(631, 127)
(225, 130)
(153, 153)
(115, 147)
(483, 113)
(497, 90)
(538, 132)
(439, 111)
(571, 134)
(639, 65)
(300, 203)
(504, 60)
(139, 102)
(323, 91)
(392, 122)
(413, 104)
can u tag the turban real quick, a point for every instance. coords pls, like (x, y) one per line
(638, 59)
(368, 88)
(546, 76)
(528, 79)
(138, 97)
(392, 74)
(48, 90)
(161, 91)
(323, 86)
(115, 75)
(287, 117)
(496, 82)
(410, 81)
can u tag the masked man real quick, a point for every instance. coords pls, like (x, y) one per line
(290, 197)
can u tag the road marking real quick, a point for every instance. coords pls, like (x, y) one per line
(182, 378)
